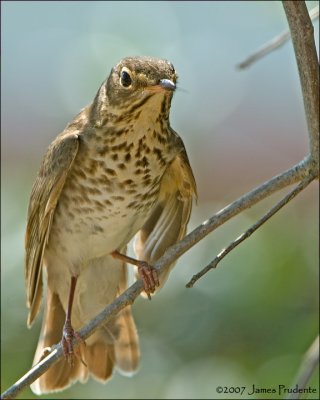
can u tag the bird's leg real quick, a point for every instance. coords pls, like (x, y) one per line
(68, 333)
(148, 274)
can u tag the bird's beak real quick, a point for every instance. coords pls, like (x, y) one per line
(163, 85)
(167, 84)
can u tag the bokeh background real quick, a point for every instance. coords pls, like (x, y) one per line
(251, 320)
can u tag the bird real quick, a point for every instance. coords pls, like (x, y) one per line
(117, 172)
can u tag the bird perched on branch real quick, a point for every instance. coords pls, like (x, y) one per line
(118, 170)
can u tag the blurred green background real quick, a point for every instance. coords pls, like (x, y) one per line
(251, 320)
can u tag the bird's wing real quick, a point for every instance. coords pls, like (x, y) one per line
(44, 198)
(168, 222)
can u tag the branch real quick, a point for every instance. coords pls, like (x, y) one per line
(292, 175)
(301, 29)
(273, 44)
(302, 185)
(309, 363)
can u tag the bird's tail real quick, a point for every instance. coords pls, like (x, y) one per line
(114, 345)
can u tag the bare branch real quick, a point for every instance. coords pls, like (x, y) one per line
(293, 175)
(301, 29)
(302, 185)
(273, 44)
(308, 365)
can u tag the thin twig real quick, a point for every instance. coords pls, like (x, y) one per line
(302, 185)
(273, 44)
(308, 365)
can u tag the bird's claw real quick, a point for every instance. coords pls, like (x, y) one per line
(149, 276)
(68, 335)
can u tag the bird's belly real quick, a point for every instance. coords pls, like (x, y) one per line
(85, 230)
(102, 236)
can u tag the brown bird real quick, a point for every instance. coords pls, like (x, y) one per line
(118, 170)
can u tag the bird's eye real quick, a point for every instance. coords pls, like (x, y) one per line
(125, 78)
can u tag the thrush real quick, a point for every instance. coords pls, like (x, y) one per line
(117, 171)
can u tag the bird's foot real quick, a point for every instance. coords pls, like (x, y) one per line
(148, 274)
(68, 335)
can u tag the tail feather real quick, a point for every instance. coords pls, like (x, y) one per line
(126, 348)
(99, 359)
(127, 351)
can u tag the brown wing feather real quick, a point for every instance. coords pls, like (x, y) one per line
(168, 222)
(44, 198)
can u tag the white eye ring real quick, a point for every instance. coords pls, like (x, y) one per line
(125, 78)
